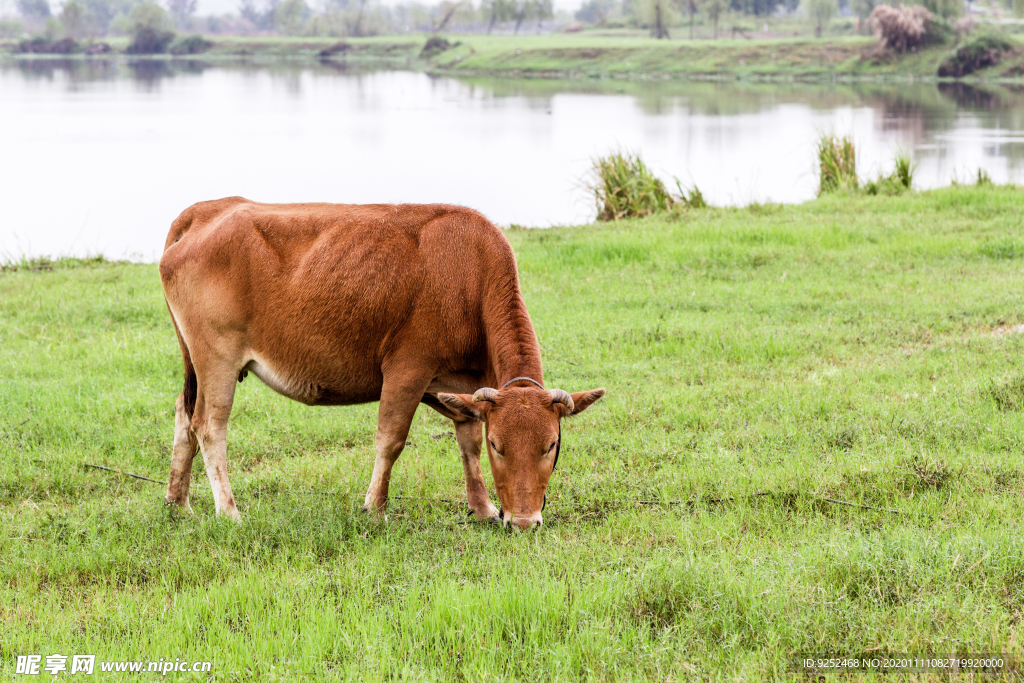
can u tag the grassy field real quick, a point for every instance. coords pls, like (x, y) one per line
(600, 55)
(811, 443)
(603, 54)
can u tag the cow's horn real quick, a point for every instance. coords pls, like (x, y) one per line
(485, 394)
(561, 396)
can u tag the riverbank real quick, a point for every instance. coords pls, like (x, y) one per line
(601, 55)
(811, 443)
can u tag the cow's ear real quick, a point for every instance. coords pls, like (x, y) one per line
(584, 399)
(464, 405)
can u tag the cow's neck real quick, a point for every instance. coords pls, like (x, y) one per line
(512, 343)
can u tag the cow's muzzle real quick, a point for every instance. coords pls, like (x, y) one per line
(522, 522)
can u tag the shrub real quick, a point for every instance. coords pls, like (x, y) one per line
(42, 46)
(980, 50)
(900, 28)
(335, 49)
(150, 41)
(435, 45)
(150, 30)
(837, 164)
(190, 45)
(625, 187)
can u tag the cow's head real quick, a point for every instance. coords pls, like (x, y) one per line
(521, 425)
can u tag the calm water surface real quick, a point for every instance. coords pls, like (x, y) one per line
(100, 157)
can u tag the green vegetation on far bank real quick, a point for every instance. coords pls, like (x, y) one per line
(598, 55)
(812, 442)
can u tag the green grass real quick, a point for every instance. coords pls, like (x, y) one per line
(624, 186)
(627, 54)
(842, 349)
(837, 163)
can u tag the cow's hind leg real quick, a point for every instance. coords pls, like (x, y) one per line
(185, 446)
(210, 424)
(398, 401)
(469, 434)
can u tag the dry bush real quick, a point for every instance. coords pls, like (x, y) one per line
(900, 28)
(964, 25)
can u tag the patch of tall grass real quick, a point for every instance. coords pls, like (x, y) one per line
(837, 168)
(45, 263)
(625, 187)
(896, 182)
(837, 163)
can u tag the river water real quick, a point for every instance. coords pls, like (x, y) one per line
(99, 157)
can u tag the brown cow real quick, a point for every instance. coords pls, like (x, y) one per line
(334, 304)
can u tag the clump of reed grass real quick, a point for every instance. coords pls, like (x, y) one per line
(625, 187)
(983, 178)
(896, 182)
(692, 198)
(837, 164)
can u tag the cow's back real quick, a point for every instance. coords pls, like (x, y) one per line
(318, 298)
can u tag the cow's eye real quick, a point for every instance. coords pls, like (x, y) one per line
(496, 449)
(552, 447)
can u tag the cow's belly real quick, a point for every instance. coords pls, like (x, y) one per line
(323, 386)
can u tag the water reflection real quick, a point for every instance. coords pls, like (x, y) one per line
(157, 135)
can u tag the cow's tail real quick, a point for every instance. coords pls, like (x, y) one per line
(191, 389)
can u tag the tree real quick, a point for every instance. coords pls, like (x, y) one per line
(820, 12)
(691, 9)
(356, 26)
(947, 9)
(290, 17)
(654, 14)
(148, 15)
(262, 20)
(72, 18)
(150, 28)
(862, 8)
(545, 10)
(756, 7)
(714, 9)
(34, 9)
(448, 10)
(99, 14)
(182, 11)
(521, 11)
(499, 10)
(596, 11)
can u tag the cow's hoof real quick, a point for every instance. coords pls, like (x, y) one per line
(231, 514)
(376, 513)
(487, 513)
(484, 518)
(178, 507)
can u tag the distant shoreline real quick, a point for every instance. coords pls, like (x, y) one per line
(590, 56)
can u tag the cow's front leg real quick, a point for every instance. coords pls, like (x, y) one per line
(398, 400)
(469, 434)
